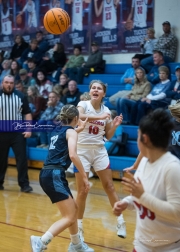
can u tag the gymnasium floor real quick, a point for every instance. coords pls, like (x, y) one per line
(22, 215)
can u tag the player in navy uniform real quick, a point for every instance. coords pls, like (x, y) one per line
(62, 151)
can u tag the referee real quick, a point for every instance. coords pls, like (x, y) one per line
(13, 106)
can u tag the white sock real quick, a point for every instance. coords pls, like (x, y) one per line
(47, 237)
(120, 218)
(80, 223)
(75, 239)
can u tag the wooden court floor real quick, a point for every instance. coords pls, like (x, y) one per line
(22, 215)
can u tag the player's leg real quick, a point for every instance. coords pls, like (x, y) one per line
(102, 168)
(85, 156)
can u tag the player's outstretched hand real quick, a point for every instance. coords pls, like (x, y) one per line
(81, 123)
(133, 186)
(118, 120)
(119, 207)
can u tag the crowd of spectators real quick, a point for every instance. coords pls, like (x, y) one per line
(41, 72)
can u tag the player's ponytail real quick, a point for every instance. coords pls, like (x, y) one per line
(67, 114)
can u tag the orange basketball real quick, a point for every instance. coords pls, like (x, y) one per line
(56, 21)
(19, 20)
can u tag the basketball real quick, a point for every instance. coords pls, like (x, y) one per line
(19, 20)
(56, 21)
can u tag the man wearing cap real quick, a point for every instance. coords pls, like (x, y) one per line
(26, 80)
(174, 92)
(167, 44)
(94, 63)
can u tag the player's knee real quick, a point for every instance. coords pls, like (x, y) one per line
(82, 194)
(109, 187)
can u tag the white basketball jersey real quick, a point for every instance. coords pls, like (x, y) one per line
(77, 14)
(6, 24)
(150, 226)
(140, 12)
(109, 15)
(94, 131)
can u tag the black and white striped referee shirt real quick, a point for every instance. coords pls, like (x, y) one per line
(13, 106)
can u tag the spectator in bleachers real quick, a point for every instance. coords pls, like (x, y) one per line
(157, 97)
(94, 63)
(127, 105)
(56, 62)
(31, 52)
(42, 43)
(127, 80)
(19, 86)
(18, 48)
(43, 84)
(26, 80)
(62, 87)
(32, 67)
(174, 92)
(147, 45)
(73, 94)
(15, 67)
(85, 96)
(153, 75)
(1, 60)
(37, 103)
(6, 64)
(75, 61)
(167, 44)
(54, 107)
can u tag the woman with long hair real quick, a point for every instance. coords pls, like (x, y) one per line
(37, 103)
(43, 84)
(128, 105)
(62, 151)
(15, 67)
(91, 150)
(18, 48)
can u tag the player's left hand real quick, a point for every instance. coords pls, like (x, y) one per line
(118, 120)
(119, 207)
(27, 134)
(132, 186)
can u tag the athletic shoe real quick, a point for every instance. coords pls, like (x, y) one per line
(26, 189)
(81, 233)
(80, 247)
(1, 187)
(36, 244)
(121, 228)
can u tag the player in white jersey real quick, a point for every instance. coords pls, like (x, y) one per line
(6, 24)
(108, 8)
(154, 189)
(91, 150)
(139, 11)
(77, 15)
(30, 8)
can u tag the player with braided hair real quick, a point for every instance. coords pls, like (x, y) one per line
(62, 152)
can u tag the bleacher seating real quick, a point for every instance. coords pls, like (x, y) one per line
(112, 75)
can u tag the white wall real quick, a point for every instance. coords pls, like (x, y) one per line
(164, 10)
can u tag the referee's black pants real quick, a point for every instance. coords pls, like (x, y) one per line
(18, 144)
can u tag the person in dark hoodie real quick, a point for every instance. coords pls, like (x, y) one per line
(73, 95)
(18, 48)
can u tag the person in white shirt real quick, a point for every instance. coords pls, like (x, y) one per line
(91, 150)
(154, 189)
